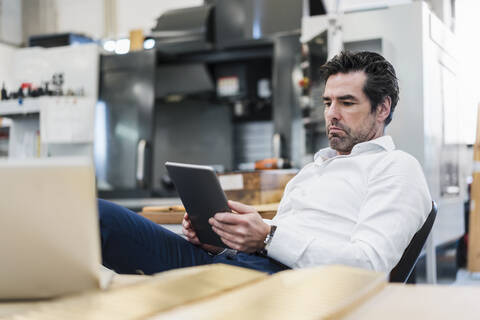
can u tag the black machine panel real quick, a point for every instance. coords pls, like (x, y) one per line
(125, 119)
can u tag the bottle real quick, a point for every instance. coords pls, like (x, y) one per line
(4, 93)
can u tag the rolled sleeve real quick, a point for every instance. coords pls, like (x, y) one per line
(287, 246)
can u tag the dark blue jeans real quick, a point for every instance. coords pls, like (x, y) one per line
(133, 244)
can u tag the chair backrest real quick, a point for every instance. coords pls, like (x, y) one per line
(407, 262)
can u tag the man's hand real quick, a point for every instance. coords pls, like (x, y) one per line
(244, 231)
(188, 231)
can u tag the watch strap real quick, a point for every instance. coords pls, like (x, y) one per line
(268, 239)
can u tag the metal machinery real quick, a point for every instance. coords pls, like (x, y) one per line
(215, 89)
(425, 121)
(124, 125)
(214, 85)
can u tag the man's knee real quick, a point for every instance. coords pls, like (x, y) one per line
(113, 223)
(109, 213)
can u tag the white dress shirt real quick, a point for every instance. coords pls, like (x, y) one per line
(360, 209)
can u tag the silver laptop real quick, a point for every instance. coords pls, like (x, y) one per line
(49, 230)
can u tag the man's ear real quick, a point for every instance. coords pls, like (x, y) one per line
(383, 109)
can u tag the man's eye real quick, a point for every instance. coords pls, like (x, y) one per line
(327, 104)
(346, 103)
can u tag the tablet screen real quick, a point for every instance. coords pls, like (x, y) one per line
(201, 195)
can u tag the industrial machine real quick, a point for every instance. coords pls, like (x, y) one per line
(124, 126)
(214, 90)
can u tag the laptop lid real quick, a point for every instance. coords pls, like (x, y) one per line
(49, 229)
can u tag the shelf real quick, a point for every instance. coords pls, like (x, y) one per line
(13, 108)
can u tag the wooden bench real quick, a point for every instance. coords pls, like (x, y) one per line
(174, 214)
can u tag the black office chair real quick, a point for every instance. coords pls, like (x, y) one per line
(405, 266)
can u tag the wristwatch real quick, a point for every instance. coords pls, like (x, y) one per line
(268, 240)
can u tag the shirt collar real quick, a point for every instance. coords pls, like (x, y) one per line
(383, 142)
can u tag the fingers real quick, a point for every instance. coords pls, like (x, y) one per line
(232, 244)
(238, 246)
(230, 231)
(188, 231)
(186, 227)
(191, 236)
(244, 232)
(186, 224)
(227, 217)
(234, 223)
(226, 235)
(194, 241)
(240, 207)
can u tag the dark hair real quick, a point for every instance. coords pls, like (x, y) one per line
(381, 81)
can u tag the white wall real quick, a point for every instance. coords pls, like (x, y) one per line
(38, 17)
(79, 64)
(442, 8)
(467, 26)
(88, 16)
(6, 57)
(85, 16)
(11, 21)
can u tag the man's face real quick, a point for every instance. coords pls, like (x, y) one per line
(348, 113)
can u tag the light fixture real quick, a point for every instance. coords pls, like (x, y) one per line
(109, 45)
(149, 44)
(123, 46)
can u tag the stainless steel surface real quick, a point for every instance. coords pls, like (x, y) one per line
(241, 22)
(277, 145)
(287, 115)
(127, 94)
(314, 55)
(252, 141)
(196, 131)
(140, 172)
(185, 30)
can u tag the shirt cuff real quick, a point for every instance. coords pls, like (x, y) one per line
(287, 246)
(268, 221)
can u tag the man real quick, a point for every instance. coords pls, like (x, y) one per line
(359, 203)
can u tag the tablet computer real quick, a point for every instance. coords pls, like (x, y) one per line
(201, 195)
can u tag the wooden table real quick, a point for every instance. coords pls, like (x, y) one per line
(174, 214)
(227, 292)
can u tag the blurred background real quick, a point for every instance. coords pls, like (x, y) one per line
(234, 84)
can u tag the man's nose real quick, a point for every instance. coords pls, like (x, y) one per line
(332, 112)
